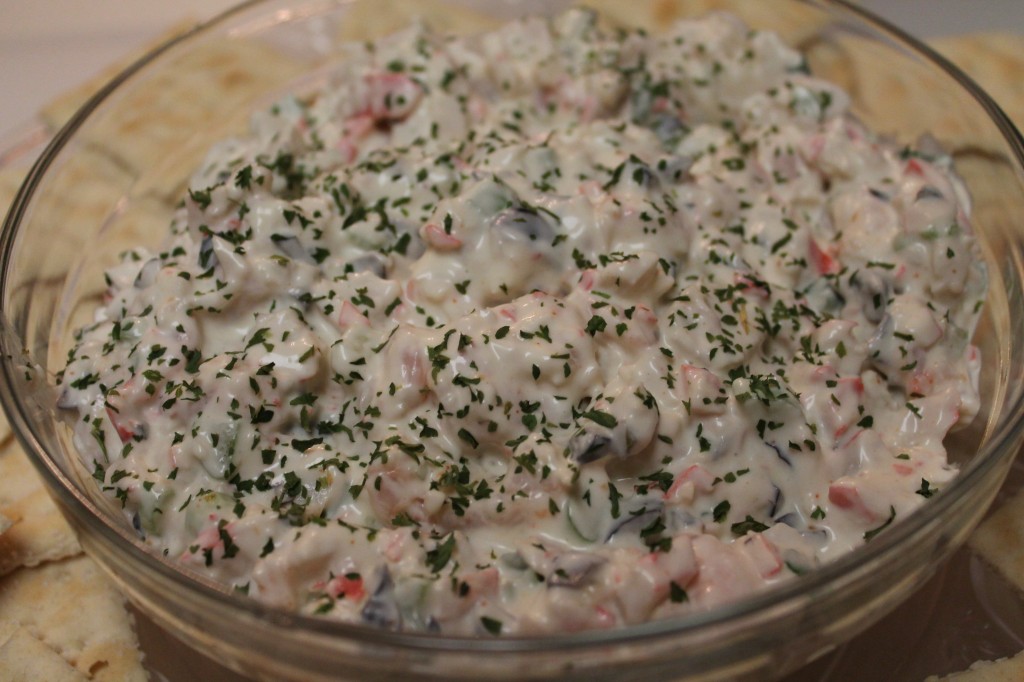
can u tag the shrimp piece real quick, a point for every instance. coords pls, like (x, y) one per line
(349, 316)
(391, 96)
(357, 129)
(643, 330)
(696, 479)
(438, 239)
(405, 374)
(702, 387)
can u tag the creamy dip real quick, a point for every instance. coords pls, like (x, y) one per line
(549, 329)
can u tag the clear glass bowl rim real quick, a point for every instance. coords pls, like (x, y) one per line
(744, 613)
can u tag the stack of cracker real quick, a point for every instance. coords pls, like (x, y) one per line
(60, 617)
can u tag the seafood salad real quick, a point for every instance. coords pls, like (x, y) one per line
(553, 328)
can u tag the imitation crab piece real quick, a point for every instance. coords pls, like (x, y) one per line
(127, 429)
(824, 262)
(845, 495)
(762, 554)
(346, 587)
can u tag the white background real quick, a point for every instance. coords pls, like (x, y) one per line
(48, 46)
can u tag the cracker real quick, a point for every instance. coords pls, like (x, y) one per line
(372, 20)
(140, 221)
(58, 111)
(72, 608)
(18, 478)
(185, 95)
(793, 22)
(995, 61)
(995, 190)
(1003, 670)
(37, 533)
(6, 438)
(1000, 540)
(82, 191)
(23, 658)
(10, 181)
(917, 98)
(167, 179)
(906, 101)
(828, 60)
(88, 199)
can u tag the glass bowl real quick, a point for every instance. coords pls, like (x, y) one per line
(113, 174)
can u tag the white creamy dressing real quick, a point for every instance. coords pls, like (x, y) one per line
(546, 330)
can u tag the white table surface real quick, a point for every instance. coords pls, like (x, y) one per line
(48, 46)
